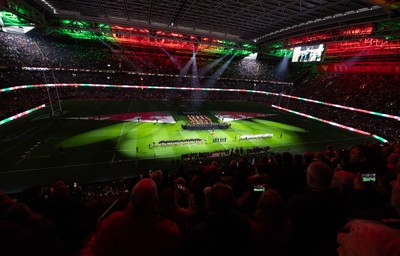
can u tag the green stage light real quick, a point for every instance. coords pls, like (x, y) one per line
(10, 19)
(281, 53)
(76, 24)
(87, 35)
(9, 22)
(276, 45)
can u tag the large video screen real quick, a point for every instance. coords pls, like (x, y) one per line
(308, 53)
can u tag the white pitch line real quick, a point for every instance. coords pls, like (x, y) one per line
(120, 134)
(37, 156)
(28, 157)
(57, 167)
(19, 161)
(21, 141)
(223, 146)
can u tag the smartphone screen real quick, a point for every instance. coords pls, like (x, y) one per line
(259, 188)
(368, 177)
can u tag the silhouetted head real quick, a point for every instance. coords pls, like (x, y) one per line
(319, 175)
(60, 189)
(144, 197)
(343, 180)
(271, 205)
(157, 176)
(221, 197)
(364, 156)
(6, 202)
(167, 201)
(395, 197)
(392, 160)
(287, 158)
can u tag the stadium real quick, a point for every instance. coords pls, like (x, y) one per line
(99, 95)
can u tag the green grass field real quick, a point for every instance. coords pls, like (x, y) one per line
(96, 150)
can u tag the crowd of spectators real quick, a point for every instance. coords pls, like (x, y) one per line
(311, 203)
(100, 190)
(205, 155)
(60, 52)
(258, 150)
(366, 91)
(384, 127)
(232, 152)
(10, 77)
(16, 101)
(36, 50)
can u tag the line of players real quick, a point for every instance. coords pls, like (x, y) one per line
(215, 140)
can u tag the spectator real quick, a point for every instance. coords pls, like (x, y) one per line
(25, 232)
(392, 166)
(224, 230)
(34, 198)
(363, 158)
(368, 238)
(197, 188)
(139, 230)
(170, 209)
(157, 176)
(315, 214)
(270, 224)
(372, 238)
(369, 200)
(70, 217)
(395, 196)
(247, 202)
(342, 183)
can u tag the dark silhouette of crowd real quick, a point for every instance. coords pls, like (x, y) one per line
(274, 203)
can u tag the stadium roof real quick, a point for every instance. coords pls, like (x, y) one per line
(240, 21)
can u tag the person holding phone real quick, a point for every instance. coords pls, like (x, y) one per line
(171, 209)
(369, 198)
(270, 224)
(223, 230)
(315, 214)
(366, 237)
